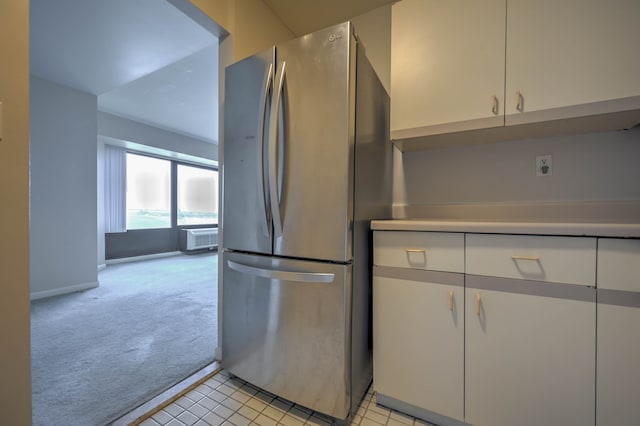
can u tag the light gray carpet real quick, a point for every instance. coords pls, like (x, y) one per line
(100, 353)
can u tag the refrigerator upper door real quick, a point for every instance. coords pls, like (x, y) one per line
(247, 213)
(286, 328)
(311, 149)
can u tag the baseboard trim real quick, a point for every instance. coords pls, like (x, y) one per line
(102, 267)
(143, 257)
(156, 404)
(63, 290)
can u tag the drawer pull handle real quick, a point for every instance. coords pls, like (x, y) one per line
(411, 250)
(532, 258)
(451, 300)
(478, 302)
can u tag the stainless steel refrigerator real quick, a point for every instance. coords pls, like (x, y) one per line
(306, 166)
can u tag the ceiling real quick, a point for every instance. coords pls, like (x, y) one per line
(148, 61)
(305, 16)
(96, 46)
(181, 97)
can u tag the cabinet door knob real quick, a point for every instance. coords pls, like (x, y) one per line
(478, 302)
(519, 101)
(495, 106)
(451, 300)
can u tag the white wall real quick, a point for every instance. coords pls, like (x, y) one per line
(63, 242)
(595, 176)
(374, 29)
(255, 28)
(130, 132)
(15, 355)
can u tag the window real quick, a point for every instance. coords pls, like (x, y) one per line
(148, 192)
(197, 196)
(160, 193)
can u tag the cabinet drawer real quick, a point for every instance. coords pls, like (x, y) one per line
(570, 260)
(619, 264)
(435, 251)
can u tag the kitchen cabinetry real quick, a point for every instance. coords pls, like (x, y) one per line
(618, 371)
(533, 257)
(447, 65)
(570, 53)
(515, 341)
(554, 68)
(530, 343)
(418, 321)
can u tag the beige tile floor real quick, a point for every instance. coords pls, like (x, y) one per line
(226, 401)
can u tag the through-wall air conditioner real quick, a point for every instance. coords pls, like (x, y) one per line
(203, 238)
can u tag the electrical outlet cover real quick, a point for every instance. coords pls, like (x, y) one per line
(544, 165)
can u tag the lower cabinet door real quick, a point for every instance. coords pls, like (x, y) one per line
(530, 358)
(618, 372)
(418, 350)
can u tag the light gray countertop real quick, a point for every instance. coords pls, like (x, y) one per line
(629, 230)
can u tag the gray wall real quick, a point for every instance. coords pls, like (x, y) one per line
(595, 176)
(63, 237)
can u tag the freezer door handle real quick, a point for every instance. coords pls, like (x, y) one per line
(306, 277)
(273, 155)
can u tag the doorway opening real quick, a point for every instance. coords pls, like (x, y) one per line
(142, 77)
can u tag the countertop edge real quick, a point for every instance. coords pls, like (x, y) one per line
(619, 230)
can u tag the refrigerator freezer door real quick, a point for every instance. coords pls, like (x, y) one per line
(285, 328)
(246, 213)
(315, 136)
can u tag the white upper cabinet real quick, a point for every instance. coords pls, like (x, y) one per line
(571, 53)
(447, 65)
(512, 69)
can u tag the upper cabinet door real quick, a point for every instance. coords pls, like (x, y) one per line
(571, 53)
(447, 66)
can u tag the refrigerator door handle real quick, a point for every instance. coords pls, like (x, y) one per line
(262, 186)
(273, 156)
(306, 277)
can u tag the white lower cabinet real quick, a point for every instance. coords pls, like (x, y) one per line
(618, 365)
(530, 356)
(419, 341)
(618, 370)
(530, 325)
(509, 342)
(418, 323)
